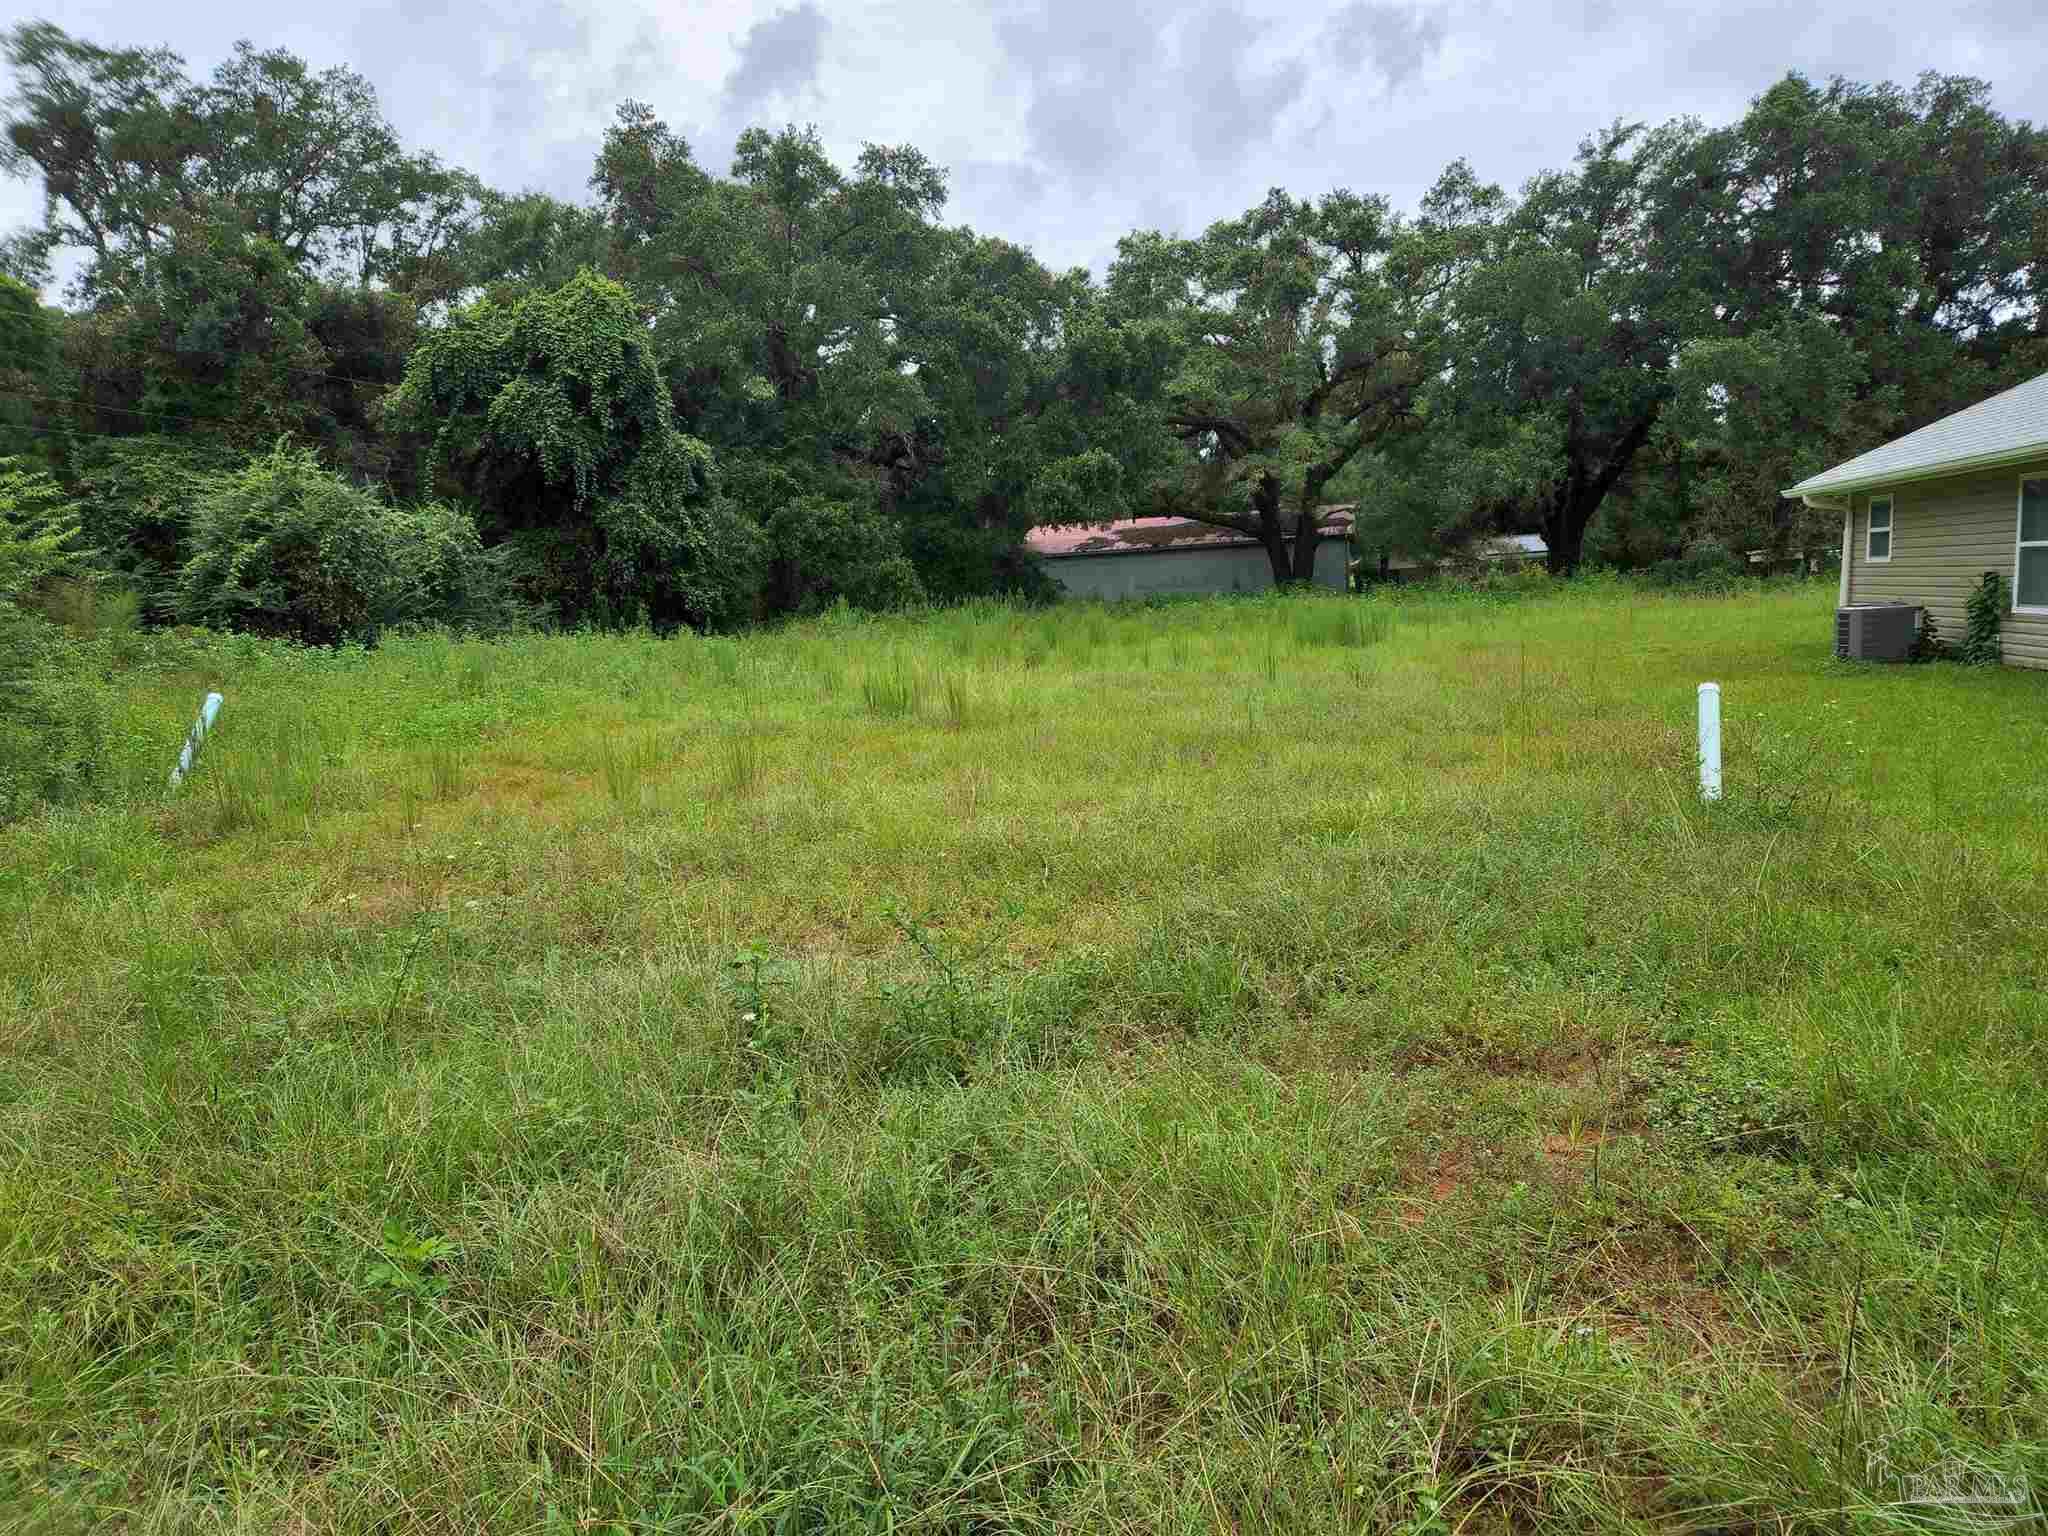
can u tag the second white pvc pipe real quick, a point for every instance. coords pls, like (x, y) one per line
(1710, 741)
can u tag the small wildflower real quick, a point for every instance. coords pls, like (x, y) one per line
(746, 1018)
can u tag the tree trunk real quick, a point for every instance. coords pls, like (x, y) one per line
(1564, 524)
(1578, 497)
(1272, 532)
(1275, 544)
(1564, 527)
(1306, 538)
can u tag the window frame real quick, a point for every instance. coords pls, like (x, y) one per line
(1890, 530)
(2020, 543)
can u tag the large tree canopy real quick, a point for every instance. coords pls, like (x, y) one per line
(787, 281)
(708, 393)
(1570, 320)
(855, 364)
(1844, 264)
(1300, 338)
(131, 151)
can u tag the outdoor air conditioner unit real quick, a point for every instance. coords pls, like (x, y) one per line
(1876, 631)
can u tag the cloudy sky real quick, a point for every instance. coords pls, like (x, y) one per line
(1067, 123)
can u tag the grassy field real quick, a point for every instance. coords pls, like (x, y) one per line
(1258, 1066)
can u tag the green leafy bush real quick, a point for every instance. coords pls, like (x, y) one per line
(456, 581)
(659, 552)
(284, 548)
(1706, 566)
(135, 500)
(1981, 613)
(822, 550)
(53, 715)
(39, 534)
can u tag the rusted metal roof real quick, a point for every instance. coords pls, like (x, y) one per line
(1152, 535)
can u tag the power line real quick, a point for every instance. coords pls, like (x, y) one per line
(123, 410)
(255, 440)
(311, 373)
(112, 437)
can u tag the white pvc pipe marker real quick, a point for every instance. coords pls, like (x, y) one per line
(209, 711)
(1710, 741)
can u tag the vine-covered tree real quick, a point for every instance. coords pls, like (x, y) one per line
(551, 416)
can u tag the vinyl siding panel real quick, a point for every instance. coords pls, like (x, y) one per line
(1945, 535)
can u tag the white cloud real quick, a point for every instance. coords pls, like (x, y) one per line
(1070, 122)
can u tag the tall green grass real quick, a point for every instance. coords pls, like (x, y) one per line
(1279, 1064)
(895, 688)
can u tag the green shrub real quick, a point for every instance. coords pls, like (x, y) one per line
(1706, 566)
(39, 534)
(1516, 577)
(659, 553)
(135, 500)
(822, 550)
(283, 548)
(54, 715)
(1981, 613)
(457, 580)
(689, 557)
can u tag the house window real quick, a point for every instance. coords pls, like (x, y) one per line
(1877, 546)
(2030, 563)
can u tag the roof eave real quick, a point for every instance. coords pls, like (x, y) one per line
(1811, 487)
(1186, 547)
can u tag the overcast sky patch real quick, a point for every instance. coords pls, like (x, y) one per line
(1070, 123)
(778, 62)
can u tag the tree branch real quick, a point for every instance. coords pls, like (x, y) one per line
(1624, 451)
(1231, 431)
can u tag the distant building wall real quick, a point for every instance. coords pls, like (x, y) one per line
(1239, 568)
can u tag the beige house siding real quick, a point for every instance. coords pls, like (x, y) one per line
(1945, 535)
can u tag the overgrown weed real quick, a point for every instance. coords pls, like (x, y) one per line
(1337, 1076)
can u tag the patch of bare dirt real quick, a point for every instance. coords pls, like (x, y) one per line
(1425, 1189)
(1578, 1064)
(1650, 1295)
(535, 793)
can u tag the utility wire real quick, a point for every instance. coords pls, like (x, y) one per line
(123, 410)
(112, 437)
(311, 373)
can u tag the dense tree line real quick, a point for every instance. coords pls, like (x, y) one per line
(310, 382)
